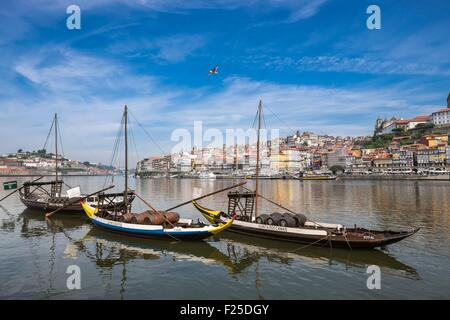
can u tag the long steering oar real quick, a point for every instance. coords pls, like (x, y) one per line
(10, 194)
(207, 195)
(47, 215)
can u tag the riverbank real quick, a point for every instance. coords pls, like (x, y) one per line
(52, 175)
(438, 177)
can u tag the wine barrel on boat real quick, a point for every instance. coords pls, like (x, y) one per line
(128, 217)
(288, 220)
(150, 217)
(300, 219)
(172, 217)
(274, 219)
(262, 218)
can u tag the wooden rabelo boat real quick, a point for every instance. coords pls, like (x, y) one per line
(48, 195)
(36, 195)
(292, 226)
(153, 223)
(295, 228)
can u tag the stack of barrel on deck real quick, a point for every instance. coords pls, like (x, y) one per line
(151, 217)
(286, 219)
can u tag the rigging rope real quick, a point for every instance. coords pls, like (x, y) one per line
(133, 140)
(115, 150)
(60, 141)
(49, 133)
(283, 122)
(148, 134)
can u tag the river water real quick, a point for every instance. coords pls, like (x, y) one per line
(35, 253)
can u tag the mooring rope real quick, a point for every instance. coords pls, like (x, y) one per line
(347, 241)
(308, 245)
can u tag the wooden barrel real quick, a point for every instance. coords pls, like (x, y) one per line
(143, 218)
(262, 218)
(150, 217)
(157, 217)
(288, 220)
(300, 219)
(134, 218)
(127, 217)
(274, 219)
(172, 217)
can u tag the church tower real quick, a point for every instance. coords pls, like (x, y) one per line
(378, 125)
(448, 100)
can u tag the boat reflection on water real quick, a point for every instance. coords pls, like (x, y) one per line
(239, 253)
(8, 223)
(34, 223)
(241, 248)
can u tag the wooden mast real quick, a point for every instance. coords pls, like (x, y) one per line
(257, 158)
(56, 150)
(125, 193)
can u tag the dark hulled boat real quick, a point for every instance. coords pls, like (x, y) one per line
(48, 195)
(314, 233)
(292, 226)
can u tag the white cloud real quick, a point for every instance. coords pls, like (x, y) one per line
(305, 9)
(362, 65)
(177, 48)
(89, 93)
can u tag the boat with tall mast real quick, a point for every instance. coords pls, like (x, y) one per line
(293, 226)
(48, 195)
(153, 223)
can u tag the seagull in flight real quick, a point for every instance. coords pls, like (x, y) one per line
(213, 70)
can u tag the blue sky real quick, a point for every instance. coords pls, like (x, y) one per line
(313, 62)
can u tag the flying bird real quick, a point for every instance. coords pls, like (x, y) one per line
(213, 70)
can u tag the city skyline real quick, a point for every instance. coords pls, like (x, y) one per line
(313, 62)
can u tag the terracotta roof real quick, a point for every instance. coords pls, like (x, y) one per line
(422, 118)
(415, 119)
(442, 110)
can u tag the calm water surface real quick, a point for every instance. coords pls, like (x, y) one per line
(35, 253)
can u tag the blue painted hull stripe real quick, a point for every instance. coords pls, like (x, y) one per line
(149, 232)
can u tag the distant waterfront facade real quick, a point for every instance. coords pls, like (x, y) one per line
(404, 146)
(42, 163)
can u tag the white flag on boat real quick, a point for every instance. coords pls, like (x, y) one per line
(74, 192)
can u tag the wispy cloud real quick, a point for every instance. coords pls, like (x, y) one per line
(365, 65)
(89, 93)
(362, 65)
(176, 48)
(304, 9)
(59, 69)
